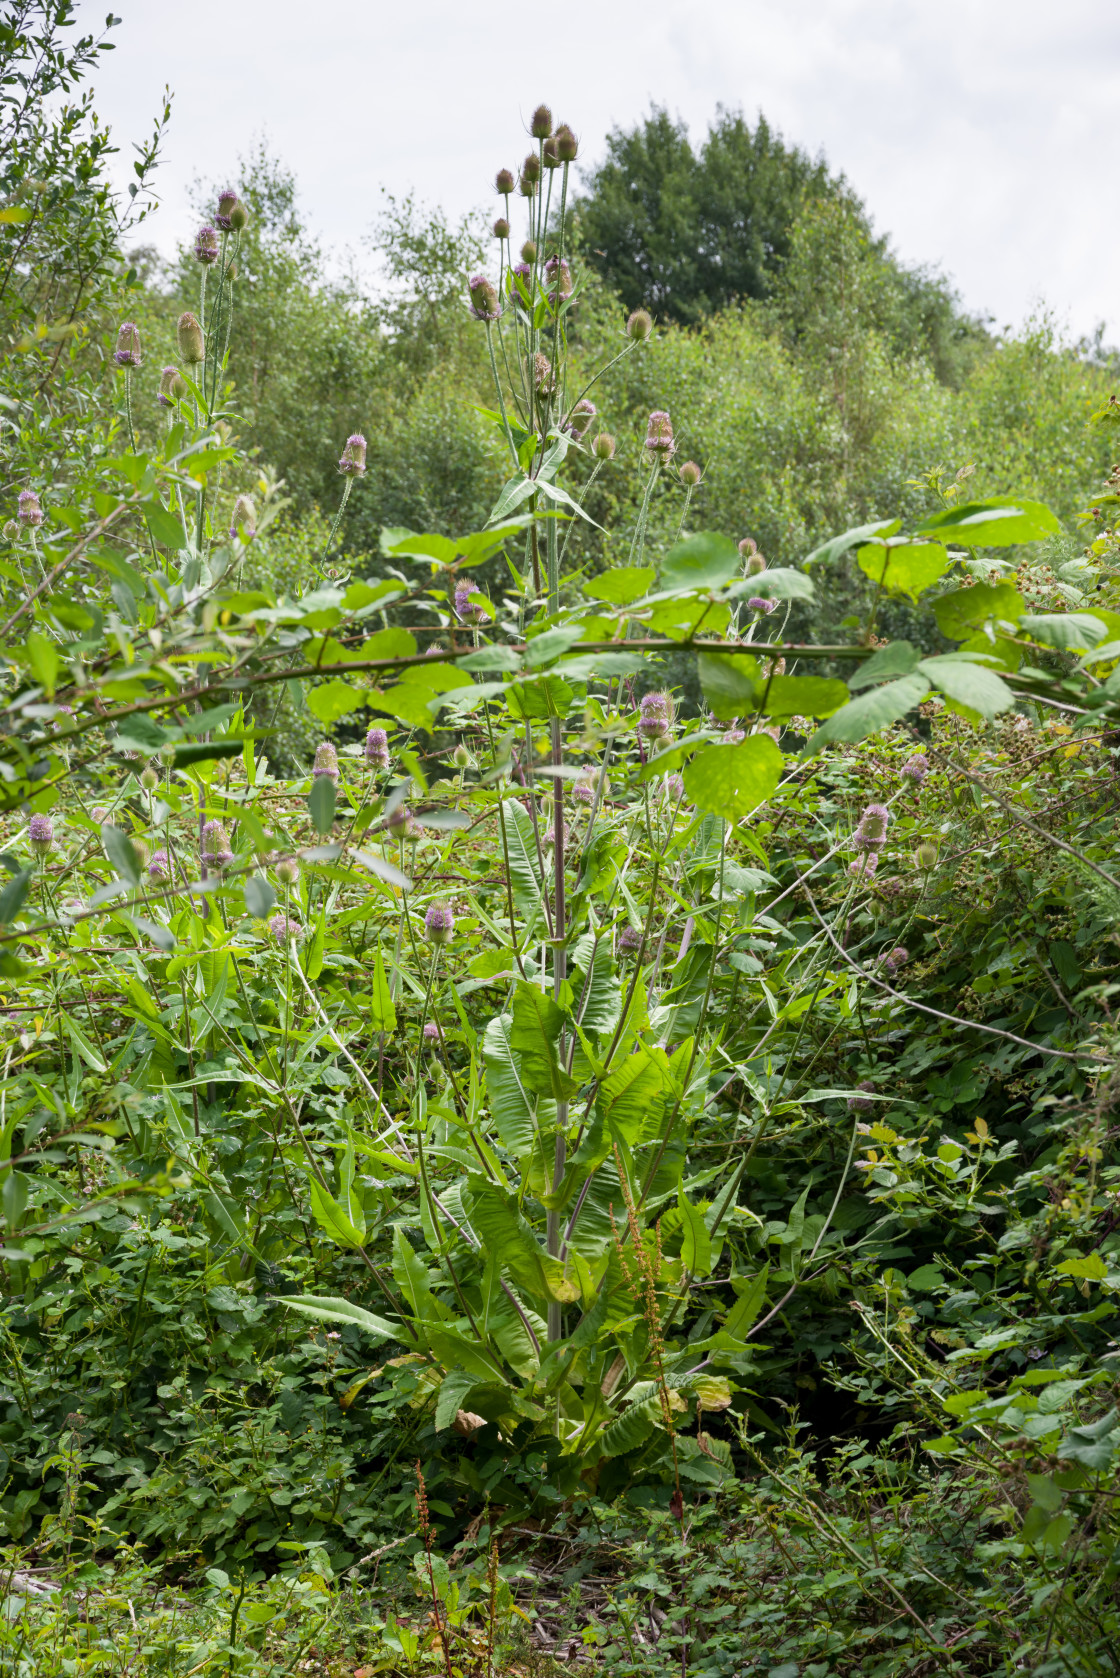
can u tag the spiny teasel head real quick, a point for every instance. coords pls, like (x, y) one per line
(872, 830)
(689, 473)
(468, 603)
(896, 958)
(567, 146)
(558, 279)
(159, 869)
(530, 175)
(30, 513)
(603, 446)
(753, 562)
(243, 519)
(149, 778)
(656, 716)
(864, 865)
(238, 221)
(550, 153)
(189, 336)
(40, 834)
(484, 298)
(432, 1033)
(756, 603)
(674, 788)
(227, 198)
(285, 930)
(540, 123)
(206, 246)
(860, 1103)
(579, 420)
(542, 374)
(402, 822)
(439, 923)
(127, 352)
(325, 767)
(773, 667)
(215, 845)
(504, 182)
(916, 768)
(352, 461)
(501, 229)
(377, 749)
(287, 870)
(583, 789)
(639, 326)
(925, 856)
(172, 387)
(659, 435)
(529, 253)
(629, 940)
(557, 834)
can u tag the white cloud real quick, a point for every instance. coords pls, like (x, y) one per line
(976, 131)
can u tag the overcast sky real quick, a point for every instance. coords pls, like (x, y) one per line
(982, 134)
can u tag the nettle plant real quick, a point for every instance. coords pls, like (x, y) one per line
(446, 1002)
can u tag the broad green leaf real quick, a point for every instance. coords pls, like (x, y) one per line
(486, 659)
(782, 583)
(13, 894)
(383, 1014)
(730, 682)
(511, 1104)
(507, 1236)
(904, 567)
(696, 1246)
(164, 526)
(334, 699)
(82, 1046)
(202, 751)
(632, 1429)
(967, 609)
(533, 1037)
(703, 561)
(439, 548)
(321, 804)
(332, 1218)
(331, 1309)
(456, 1386)
(744, 1313)
(619, 587)
(42, 655)
(840, 545)
(999, 522)
(119, 850)
(731, 781)
(313, 960)
(598, 995)
(968, 683)
(1068, 631)
(542, 649)
(521, 845)
(871, 712)
(802, 696)
(260, 898)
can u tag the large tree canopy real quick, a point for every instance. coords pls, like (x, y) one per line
(686, 232)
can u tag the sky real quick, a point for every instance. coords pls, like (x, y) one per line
(976, 131)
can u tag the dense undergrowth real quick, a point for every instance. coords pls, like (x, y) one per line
(559, 1095)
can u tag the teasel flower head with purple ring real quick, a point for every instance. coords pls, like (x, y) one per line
(757, 604)
(656, 716)
(172, 387)
(432, 1033)
(674, 788)
(377, 749)
(583, 789)
(284, 929)
(325, 767)
(629, 940)
(659, 442)
(871, 833)
(159, 869)
(227, 198)
(243, 520)
(40, 834)
(896, 958)
(402, 822)
(30, 512)
(916, 768)
(484, 298)
(864, 866)
(468, 603)
(579, 420)
(439, 924)
(215, 845)
(558, 279)
(127, 352)
(860, 1103)
(352, 462)
(206, 246)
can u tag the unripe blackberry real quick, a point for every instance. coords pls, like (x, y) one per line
(501, 228)
(206, 246)
(40, 834)
(504, 182)
(567, 146)
(239, 217)
(540, 123)
(226, 200)
(603, 446)
(325, 767)
(352, 463)
(484, 298)
(639, 326)
(127, 352)
(439, 924)
(30, 512)
(377, 749)
(690, 474)
(192, 344)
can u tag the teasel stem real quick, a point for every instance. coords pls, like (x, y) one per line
(500, 391)
(128, 408)
(638, 545)
(684, 511)
(346, 488)
(558, 394)
(595, 470)
(559, 974)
